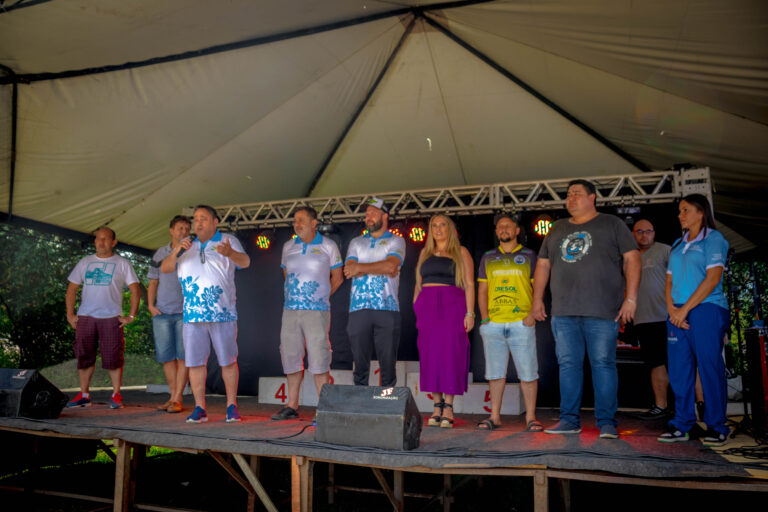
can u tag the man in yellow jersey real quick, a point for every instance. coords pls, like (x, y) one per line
(504, 294)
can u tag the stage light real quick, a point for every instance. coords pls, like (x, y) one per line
(542, 224)
(397, 229)
(264, 240)
(418, 232)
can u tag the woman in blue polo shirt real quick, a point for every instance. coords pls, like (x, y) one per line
(698, 318)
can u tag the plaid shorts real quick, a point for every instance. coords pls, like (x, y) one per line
(110, 340)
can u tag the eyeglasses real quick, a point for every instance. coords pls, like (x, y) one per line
(642, 232)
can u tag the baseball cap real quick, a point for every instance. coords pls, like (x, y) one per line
(378, 203)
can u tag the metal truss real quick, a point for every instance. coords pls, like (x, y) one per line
(618, 190)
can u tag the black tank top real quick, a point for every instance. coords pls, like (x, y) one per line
(438, 270)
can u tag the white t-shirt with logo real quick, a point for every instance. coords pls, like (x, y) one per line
(103, 280)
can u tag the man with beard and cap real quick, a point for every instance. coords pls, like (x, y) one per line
(373, 263)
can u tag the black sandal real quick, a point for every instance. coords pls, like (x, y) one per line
(435, 421)
(446, 422)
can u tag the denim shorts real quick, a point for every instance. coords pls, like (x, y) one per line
(169, 344)
(501, 339)
(198, 337)
(305, 331)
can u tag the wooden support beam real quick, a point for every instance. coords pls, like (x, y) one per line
(301, 484)
(540, 491)
(396, 505)
(447, 493)
(331, 482)
(398, 481)
(255, 466)
(107, 450)
(122, 502)
(565, 493)
(263, 496)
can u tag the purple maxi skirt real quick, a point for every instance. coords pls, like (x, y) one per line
(443, 344)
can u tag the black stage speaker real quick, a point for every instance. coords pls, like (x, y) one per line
(370, 416)
(757, 378)
(28, 394)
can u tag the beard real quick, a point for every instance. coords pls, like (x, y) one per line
(375, 226)
(506, 238)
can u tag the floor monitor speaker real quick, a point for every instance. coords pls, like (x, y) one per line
(26, 393)
(371, 416)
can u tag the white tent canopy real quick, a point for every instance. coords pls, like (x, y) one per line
(123, 113)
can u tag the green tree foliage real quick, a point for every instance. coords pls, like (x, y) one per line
(34, 266)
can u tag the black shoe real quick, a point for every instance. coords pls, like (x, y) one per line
(654, 413)
(700, 408)
(286, 413)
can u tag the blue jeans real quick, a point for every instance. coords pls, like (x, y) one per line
(169, 345)
(597, 336)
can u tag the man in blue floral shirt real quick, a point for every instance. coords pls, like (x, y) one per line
(206, 269)
(373, 263)
(311, 266)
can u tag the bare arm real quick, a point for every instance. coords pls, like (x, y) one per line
(169, 262)
(469, 288)
(417, 287)
(482, 300)
(240, 259)
(337, 277)
(678, 316)
(135, 300)
(69, 300)
(540, 280)
(152, 297)
(633, 266)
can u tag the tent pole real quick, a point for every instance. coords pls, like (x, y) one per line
(14, 118)
(360, 108)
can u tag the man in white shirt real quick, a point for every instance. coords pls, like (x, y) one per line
(100, 315)
(311, 266)
(373, 263)
(206, 270)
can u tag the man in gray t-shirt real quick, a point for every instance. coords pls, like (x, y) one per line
(585, 259)
(651, 314)
(166, 304)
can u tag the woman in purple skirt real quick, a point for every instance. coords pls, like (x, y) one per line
(444, 303)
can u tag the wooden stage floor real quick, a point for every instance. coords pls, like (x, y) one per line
(636, 457)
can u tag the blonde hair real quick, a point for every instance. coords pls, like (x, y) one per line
(453, 249)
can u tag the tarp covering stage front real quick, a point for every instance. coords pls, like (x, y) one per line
(128, 112)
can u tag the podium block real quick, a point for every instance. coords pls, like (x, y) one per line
(478, 400)
(273, 390)
(425, 401)
(309, 395)
(374, 376)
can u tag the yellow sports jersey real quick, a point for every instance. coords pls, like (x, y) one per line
(508, 275)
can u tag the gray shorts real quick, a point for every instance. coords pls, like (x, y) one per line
(305, 331)
(198, 337)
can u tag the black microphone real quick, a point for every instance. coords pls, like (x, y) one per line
(192, 238)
